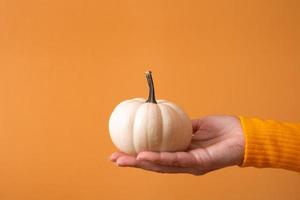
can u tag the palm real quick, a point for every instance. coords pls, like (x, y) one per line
(217, 142)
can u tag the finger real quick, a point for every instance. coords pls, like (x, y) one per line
(130, 161)
(203, 135)
(197, 124)
(154, 167)
(182, 159)
(116, 155)
(126, 161)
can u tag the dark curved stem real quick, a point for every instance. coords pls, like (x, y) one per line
(151, 98)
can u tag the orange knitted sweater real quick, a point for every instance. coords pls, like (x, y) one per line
(271, 144)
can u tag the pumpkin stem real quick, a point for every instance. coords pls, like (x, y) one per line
(151, 98)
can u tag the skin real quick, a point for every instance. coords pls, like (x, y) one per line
(217, 142)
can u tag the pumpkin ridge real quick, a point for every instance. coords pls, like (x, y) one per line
(161, 127)
(166, 115)
(150, 146)
(133, 132)
(147, 135)
(179, 118)
(170, 105)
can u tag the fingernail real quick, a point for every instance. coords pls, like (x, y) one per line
(139, 158)
(120, 164)
(111, 158)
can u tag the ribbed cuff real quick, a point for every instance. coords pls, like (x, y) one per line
(271, 144)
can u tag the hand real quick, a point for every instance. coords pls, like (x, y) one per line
(217, 142)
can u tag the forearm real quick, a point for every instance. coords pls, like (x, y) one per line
(271, 144)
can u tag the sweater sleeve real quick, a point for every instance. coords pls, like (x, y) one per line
(271, 144)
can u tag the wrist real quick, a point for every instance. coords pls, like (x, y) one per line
(241, 141)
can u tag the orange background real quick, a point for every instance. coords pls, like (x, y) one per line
(64, 65)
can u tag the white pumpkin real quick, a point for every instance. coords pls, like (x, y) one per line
(137, 125)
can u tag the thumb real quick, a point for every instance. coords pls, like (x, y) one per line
(196, 124)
